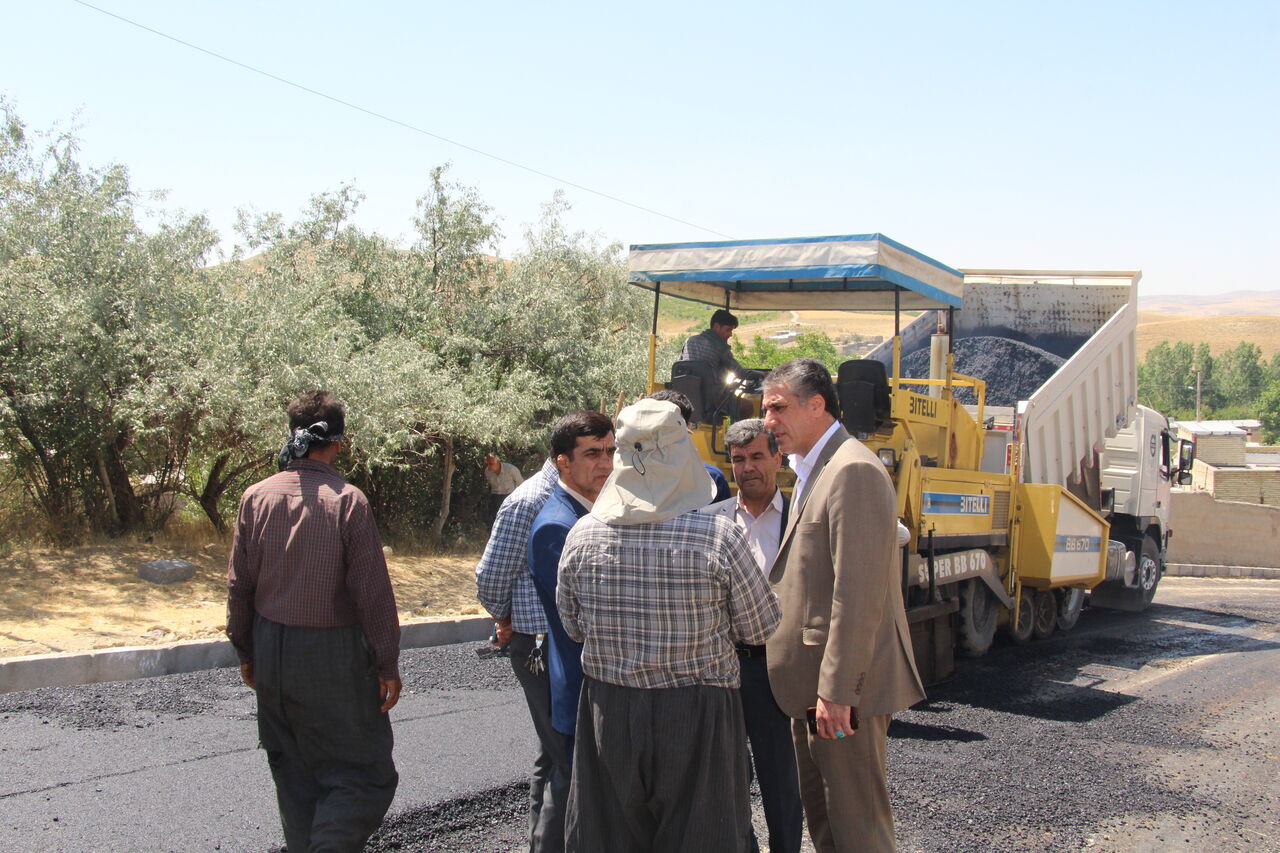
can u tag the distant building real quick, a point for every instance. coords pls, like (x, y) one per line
(1228, 466)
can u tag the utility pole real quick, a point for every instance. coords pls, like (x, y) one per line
(1197, 393)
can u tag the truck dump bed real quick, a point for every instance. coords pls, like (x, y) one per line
(1087, 317)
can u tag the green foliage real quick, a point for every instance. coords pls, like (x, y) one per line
(1269, 413)
(1241, 376)
(130, 371)
(1166, 378)
(1231, 386)
(764, 354)
(89, 303)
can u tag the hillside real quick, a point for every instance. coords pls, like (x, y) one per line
(1221, 332)
(1222, 321)
(1243, 302)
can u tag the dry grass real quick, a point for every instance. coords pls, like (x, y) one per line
(91, 597)
(832, 323)
(1220, 332)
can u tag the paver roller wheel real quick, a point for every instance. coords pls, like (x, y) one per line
(1046, 614)
(1070, 606)
(977, 618)
(1022, 627)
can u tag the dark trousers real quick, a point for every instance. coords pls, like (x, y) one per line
(328, 745)
(494, 503)
(549, 784)
(773, 754)
(658, 771)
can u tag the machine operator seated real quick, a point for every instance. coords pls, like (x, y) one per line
(709, 356)
(711, 346)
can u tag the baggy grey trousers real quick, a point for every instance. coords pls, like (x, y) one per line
(658, 770)
(328, 745)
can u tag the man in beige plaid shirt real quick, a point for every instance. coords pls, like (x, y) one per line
(659, 595)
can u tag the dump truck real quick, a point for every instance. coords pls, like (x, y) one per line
(1016, 513)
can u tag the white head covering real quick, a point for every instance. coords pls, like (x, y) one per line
(657, 473)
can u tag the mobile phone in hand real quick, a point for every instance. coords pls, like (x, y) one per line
(811, 717)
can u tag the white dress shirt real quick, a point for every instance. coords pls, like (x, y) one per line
(582, 502)
(763, 531)
(803, 465)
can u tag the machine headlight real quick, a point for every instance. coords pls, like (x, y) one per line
(887, 457)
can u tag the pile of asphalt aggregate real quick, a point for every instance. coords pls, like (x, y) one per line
(496, 820)
(1013, 370)
(1063, 346)
(118, 705)
(456, 667)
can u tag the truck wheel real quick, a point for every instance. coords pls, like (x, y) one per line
(1021, 629)
(1116, 596)
(1070, 605)
(1149, 570)
(977, 618)
(1046, 614)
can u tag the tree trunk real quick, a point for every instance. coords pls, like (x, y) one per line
(213, 489)
(113, 514)
(216, 484)
(446, 492)
(128, 506)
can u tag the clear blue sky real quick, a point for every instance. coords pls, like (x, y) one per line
(1012, 134)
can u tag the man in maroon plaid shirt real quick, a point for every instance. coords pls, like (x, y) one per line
(312, 616)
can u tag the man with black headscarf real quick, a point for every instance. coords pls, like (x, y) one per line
(312, 617)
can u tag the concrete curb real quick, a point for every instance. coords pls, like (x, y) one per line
(1192, 570)
(123, 664)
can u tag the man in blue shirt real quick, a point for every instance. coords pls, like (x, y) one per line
(505, 588)
(582, 447)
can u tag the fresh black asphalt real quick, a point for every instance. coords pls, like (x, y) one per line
(1135, 732)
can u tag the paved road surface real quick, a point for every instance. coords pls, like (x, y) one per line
(1136, 732)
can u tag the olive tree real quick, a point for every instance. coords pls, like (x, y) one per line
(89, 305)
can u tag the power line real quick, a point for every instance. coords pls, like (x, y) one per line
(398, 122)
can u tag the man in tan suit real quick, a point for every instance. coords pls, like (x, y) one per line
(843, 648)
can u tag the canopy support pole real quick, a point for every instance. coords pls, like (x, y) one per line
(897, 334)
(653, 335)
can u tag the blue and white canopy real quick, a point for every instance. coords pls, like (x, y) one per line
(860, 271)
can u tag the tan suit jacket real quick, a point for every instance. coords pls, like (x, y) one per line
(844, 633)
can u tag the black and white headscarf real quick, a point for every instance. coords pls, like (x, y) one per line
(297, 445)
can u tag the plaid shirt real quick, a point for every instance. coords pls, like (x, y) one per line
(661, 605)
(503, 584)
(709, 347)
(306, 553)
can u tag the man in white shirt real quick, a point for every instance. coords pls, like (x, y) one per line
(842, 656)
(760, 510)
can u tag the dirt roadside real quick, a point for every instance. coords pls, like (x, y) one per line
(92, 598)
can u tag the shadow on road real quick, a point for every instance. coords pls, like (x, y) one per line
(903, 730)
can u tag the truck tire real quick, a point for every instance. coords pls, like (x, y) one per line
(1116, 596)
(977, 618)
(1070, 606)
(1022, 627)
(1046, 614)
(1149, 570)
